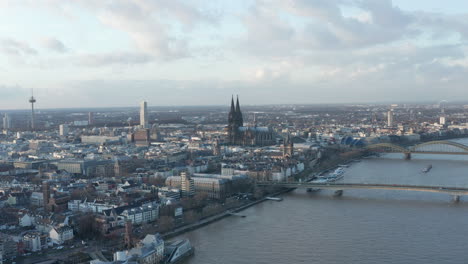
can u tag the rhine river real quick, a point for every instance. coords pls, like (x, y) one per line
(362, 226)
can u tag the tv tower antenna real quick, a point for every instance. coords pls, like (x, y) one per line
(32, 100)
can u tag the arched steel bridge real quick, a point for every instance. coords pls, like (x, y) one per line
(432, 147)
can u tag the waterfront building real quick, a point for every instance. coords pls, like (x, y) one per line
(149, 250)
(142, 214)
(215, 188)
(187, 185)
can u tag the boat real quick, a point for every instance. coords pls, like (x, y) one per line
(427, 169)
(278, 199)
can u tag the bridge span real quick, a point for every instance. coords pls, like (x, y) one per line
(431, 147)
(455, 191)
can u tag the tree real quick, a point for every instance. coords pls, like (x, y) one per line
(87, 226)
(165, 223)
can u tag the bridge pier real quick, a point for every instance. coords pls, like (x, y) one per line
(338, 193)
(407, 156)
(456, 198)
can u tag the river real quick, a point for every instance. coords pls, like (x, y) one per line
(362, 226)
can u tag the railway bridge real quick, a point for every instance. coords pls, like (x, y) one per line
(432, 147)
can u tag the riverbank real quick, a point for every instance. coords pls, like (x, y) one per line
(206, 221)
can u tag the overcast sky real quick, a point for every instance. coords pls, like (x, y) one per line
(99, 53)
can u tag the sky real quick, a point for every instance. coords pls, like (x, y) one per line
(88, 53)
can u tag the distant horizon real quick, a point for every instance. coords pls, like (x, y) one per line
(136, 106)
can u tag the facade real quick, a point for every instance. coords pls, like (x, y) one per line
(61, 235)
(58, 202)
(150, 250)
(288, 147)
(6, 122)
(25, 220)
(37, 199)
(238, 134)
(84, 206)
(63, 130)
(390, 118)
(442, 119)
(144, 114)
(187, 185)
(34, 241)
(142, 214)
(215, 188)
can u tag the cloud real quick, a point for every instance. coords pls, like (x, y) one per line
(153, 25)
(105, 59)
(53, 44)
(15, 47)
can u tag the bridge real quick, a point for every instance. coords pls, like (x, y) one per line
(339, 187)
(432, 147)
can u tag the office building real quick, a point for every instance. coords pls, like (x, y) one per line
(144, 114)
(390, 118)
(63, 130)
(6, 122)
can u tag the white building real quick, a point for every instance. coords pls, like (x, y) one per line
(143, 214)
(84, 206)
(60, 235)
(32, 242)
(390, 118)
(26, 220)
(144, 114)
(63, 130)
(442, 120)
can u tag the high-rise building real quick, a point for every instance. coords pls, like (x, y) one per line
(442, 119)
(63, 130)
(390, 118)
(144, 114)
(90, 118)
(187, 185)
(6, 122)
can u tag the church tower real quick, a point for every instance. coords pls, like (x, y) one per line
(288, 147)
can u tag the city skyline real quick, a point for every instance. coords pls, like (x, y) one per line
(274, 52)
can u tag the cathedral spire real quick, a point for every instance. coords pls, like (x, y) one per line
(232, 104)
(232, 112)
(239, 118)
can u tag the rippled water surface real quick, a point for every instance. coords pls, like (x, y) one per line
(362, 226)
